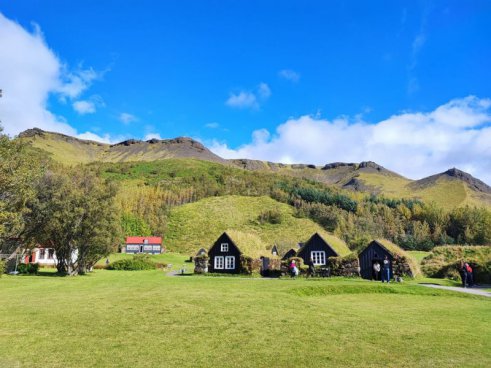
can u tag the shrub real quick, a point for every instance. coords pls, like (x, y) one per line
(270, 216)
(3, 267)
(444, 261)
(139, 262)
(30, 268)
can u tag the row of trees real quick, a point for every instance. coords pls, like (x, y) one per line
(69, 209)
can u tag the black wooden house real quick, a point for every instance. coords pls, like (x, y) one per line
(291, 253)
(224, 256)
(317, 249)
(274, 250)
(374, 252)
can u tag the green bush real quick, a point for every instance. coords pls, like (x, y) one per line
(139, 262)
(270, 216)
(30, 268)
(444, 262)
(3, 267)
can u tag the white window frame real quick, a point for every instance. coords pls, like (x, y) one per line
(230, 263)
(318, 257)
(224, 247)
(219, 262)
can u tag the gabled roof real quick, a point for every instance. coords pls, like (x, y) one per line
(141, 240)
(291, 253)
(225, 238)
(338, 246)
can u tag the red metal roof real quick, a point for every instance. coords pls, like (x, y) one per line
(141, 240)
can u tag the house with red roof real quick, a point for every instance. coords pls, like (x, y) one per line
(143, 244)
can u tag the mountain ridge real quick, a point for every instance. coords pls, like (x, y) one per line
(366, 176)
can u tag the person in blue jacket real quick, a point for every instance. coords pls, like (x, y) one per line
(386, 270)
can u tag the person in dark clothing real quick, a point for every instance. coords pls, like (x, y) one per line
(386, 271)
(463, 274)
(311, 270)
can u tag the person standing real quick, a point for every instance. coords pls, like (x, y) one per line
(376, 270)
(470, 276)
(311, 270)
(386, 271)
(293, 268)
(463, 274)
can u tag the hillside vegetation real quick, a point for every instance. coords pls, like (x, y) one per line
(196, 225)
(448, 190)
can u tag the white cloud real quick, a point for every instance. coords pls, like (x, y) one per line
(84, 107)
(94, 137)
(127, 118)
(263, 91)
(89, 106)
(74, 83)
(247, 99)
(29, 73)
(415, 144)
(242, 100)
(289, 74)
(152, 136)
(213, 125)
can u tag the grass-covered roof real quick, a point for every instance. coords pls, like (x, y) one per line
(395, 250)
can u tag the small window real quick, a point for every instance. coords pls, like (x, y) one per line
(318, 258)
(224, 247)
(219, 263)
(230, 263)
(51, 253)
(42, 253)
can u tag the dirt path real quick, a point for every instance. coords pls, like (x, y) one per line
(475, 291)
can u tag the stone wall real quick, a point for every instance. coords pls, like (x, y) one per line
(201, 264)
(348, 266)
(400, 267)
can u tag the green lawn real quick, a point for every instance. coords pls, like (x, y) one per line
(176, 261)
(418, 254)
(147, 319)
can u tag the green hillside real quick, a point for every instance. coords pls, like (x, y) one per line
(196, 225)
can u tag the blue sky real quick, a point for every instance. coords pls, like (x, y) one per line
(243, 76)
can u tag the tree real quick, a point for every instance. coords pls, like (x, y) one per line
(19, 169)
(74, 213)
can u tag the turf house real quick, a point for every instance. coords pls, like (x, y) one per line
(318, 249)
(401, 263)
(224, 256)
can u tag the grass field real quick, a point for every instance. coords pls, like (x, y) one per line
(147, 319)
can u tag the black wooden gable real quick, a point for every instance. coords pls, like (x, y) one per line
(231, 250)
(291, 253)
(316, 243)
(274, 250)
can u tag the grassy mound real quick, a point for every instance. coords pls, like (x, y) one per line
(198, 225)
(445, 261)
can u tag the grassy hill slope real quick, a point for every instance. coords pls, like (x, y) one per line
(199, 224)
